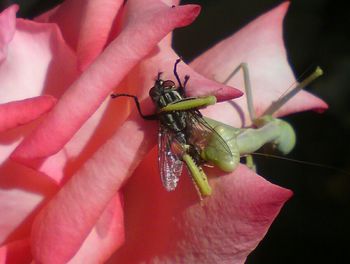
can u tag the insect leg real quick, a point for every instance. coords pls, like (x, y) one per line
(250, 162)
(147, 117)
(247, 87)
(187, 77)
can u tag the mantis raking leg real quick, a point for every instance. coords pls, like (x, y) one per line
(198, 175)
(147, 117)
(189, 103)
(247, 87)
(250, 105)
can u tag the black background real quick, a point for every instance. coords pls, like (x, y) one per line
(313, 227)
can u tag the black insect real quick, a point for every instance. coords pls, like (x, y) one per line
(183, 133)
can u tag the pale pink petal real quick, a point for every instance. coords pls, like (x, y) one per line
(21, 192)
(86, 25)
(7, 29)
(260, 44)
(18, 113)
(16, 252)
(18, 205)
(105, 237)
(38, 61)
(88, 92)
(68, 17)
(175, 227)
(88, 192)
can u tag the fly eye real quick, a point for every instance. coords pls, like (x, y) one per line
(152, 92)
(168, 84)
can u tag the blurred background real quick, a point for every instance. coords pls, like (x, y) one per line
(314, 226)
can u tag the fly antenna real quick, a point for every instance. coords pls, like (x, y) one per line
(158, 76)
(275, 106)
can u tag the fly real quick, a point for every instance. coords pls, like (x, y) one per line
(183, 134)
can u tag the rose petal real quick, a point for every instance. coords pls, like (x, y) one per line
(21, 192)
(17, 113)
(7, 29)
(105, 237)
(86, 25)
(18, 206)
(88, 192)
(88, 92)
(260, 44)
(174, 227)
(38, 60)
(16, 252)
(95, 29)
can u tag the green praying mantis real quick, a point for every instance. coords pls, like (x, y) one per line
(186, 137)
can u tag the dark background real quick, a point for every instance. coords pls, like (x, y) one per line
(313, 227)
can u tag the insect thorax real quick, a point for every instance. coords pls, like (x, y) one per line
(162, 94)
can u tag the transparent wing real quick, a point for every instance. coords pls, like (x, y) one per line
(170, 164)
(200, 134)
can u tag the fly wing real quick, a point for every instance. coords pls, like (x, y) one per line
(170, 164)
(200, 133)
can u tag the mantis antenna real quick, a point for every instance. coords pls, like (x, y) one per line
(281, 101)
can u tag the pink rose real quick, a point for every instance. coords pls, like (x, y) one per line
(81, 182)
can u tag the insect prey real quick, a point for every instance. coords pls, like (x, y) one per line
(183, 132)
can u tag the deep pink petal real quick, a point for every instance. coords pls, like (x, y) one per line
(176, 228)
(7, 29)
(87, 93)
(16, 252)
(59, 230)
(95, 29)
(17, 113)
(260, 44)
